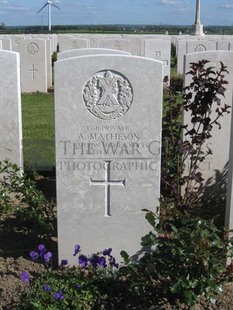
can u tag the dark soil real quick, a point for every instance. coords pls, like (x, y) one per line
(16, 243)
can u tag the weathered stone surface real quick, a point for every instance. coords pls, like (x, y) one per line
(10, 109)
(108, 133)
(33, 62)
(88, 51)
(159, 49)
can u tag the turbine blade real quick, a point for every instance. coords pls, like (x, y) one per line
(55, 6)
(42, 8)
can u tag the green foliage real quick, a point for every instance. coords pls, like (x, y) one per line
(54, 57)
(89, 286)
(187, 254)
(171, 137)
(173, 56)
(203, 100)
(19, 196)
(190, 253)
(66, 281)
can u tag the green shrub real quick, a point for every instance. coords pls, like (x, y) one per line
(190, 256)
(19, 196)
(89, 285)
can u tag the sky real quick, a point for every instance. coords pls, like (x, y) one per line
(88, 12)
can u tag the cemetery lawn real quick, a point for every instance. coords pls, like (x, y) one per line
(38, 131)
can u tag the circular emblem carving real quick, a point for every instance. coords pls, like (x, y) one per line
(17, 41)
(32, 48)
(199, 48)
(108, 95)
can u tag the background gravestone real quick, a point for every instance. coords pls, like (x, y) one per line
(6, 43)
(189, 46)
(214, 168)
(87, 51)
(108, 133)
(159, 49)
(10, 109)
(33, 65)
(116, 44)
(73, 43)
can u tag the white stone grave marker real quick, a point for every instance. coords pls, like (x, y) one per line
(108, 133)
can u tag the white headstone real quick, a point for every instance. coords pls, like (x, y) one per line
(87, 51)
(159, 49)
(214, 165)
(223, 45)
(188, 46)
(6, 44)
(73, 43)
(108, 132)
(33, 62)
(49, 63)
(16, 41)
(229, 200)
(116, 44)
(10, 109)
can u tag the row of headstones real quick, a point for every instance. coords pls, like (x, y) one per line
(157, 47)
(108, 112)
(151, 46)
(36, 51)
(36, 67)
(189, 45)
(35, 60)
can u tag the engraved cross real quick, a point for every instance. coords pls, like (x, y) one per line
(33, 70)
(107, 91)
(107, 182)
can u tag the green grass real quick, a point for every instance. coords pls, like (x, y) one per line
(38, 131)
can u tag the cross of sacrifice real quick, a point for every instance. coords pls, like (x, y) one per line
(33, 70)
(107, 182)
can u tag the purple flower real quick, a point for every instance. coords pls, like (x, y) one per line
(94, 260)
(46, 288)
(107, 251)
(82, 261)
(58, 295)
(113, 262)
(24, 277)
(34, 255)
(76, 249)
(64, 262)
(102, 261)
(47, 257)
(77, 286)
(41, 249)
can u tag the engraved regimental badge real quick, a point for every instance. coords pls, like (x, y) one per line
(108, 95)
(32, 48)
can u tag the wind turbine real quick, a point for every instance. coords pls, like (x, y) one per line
(49, 3)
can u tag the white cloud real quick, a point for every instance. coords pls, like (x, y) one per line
(169, 2)
(174, 3)
(226, 6)
(12, 6)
